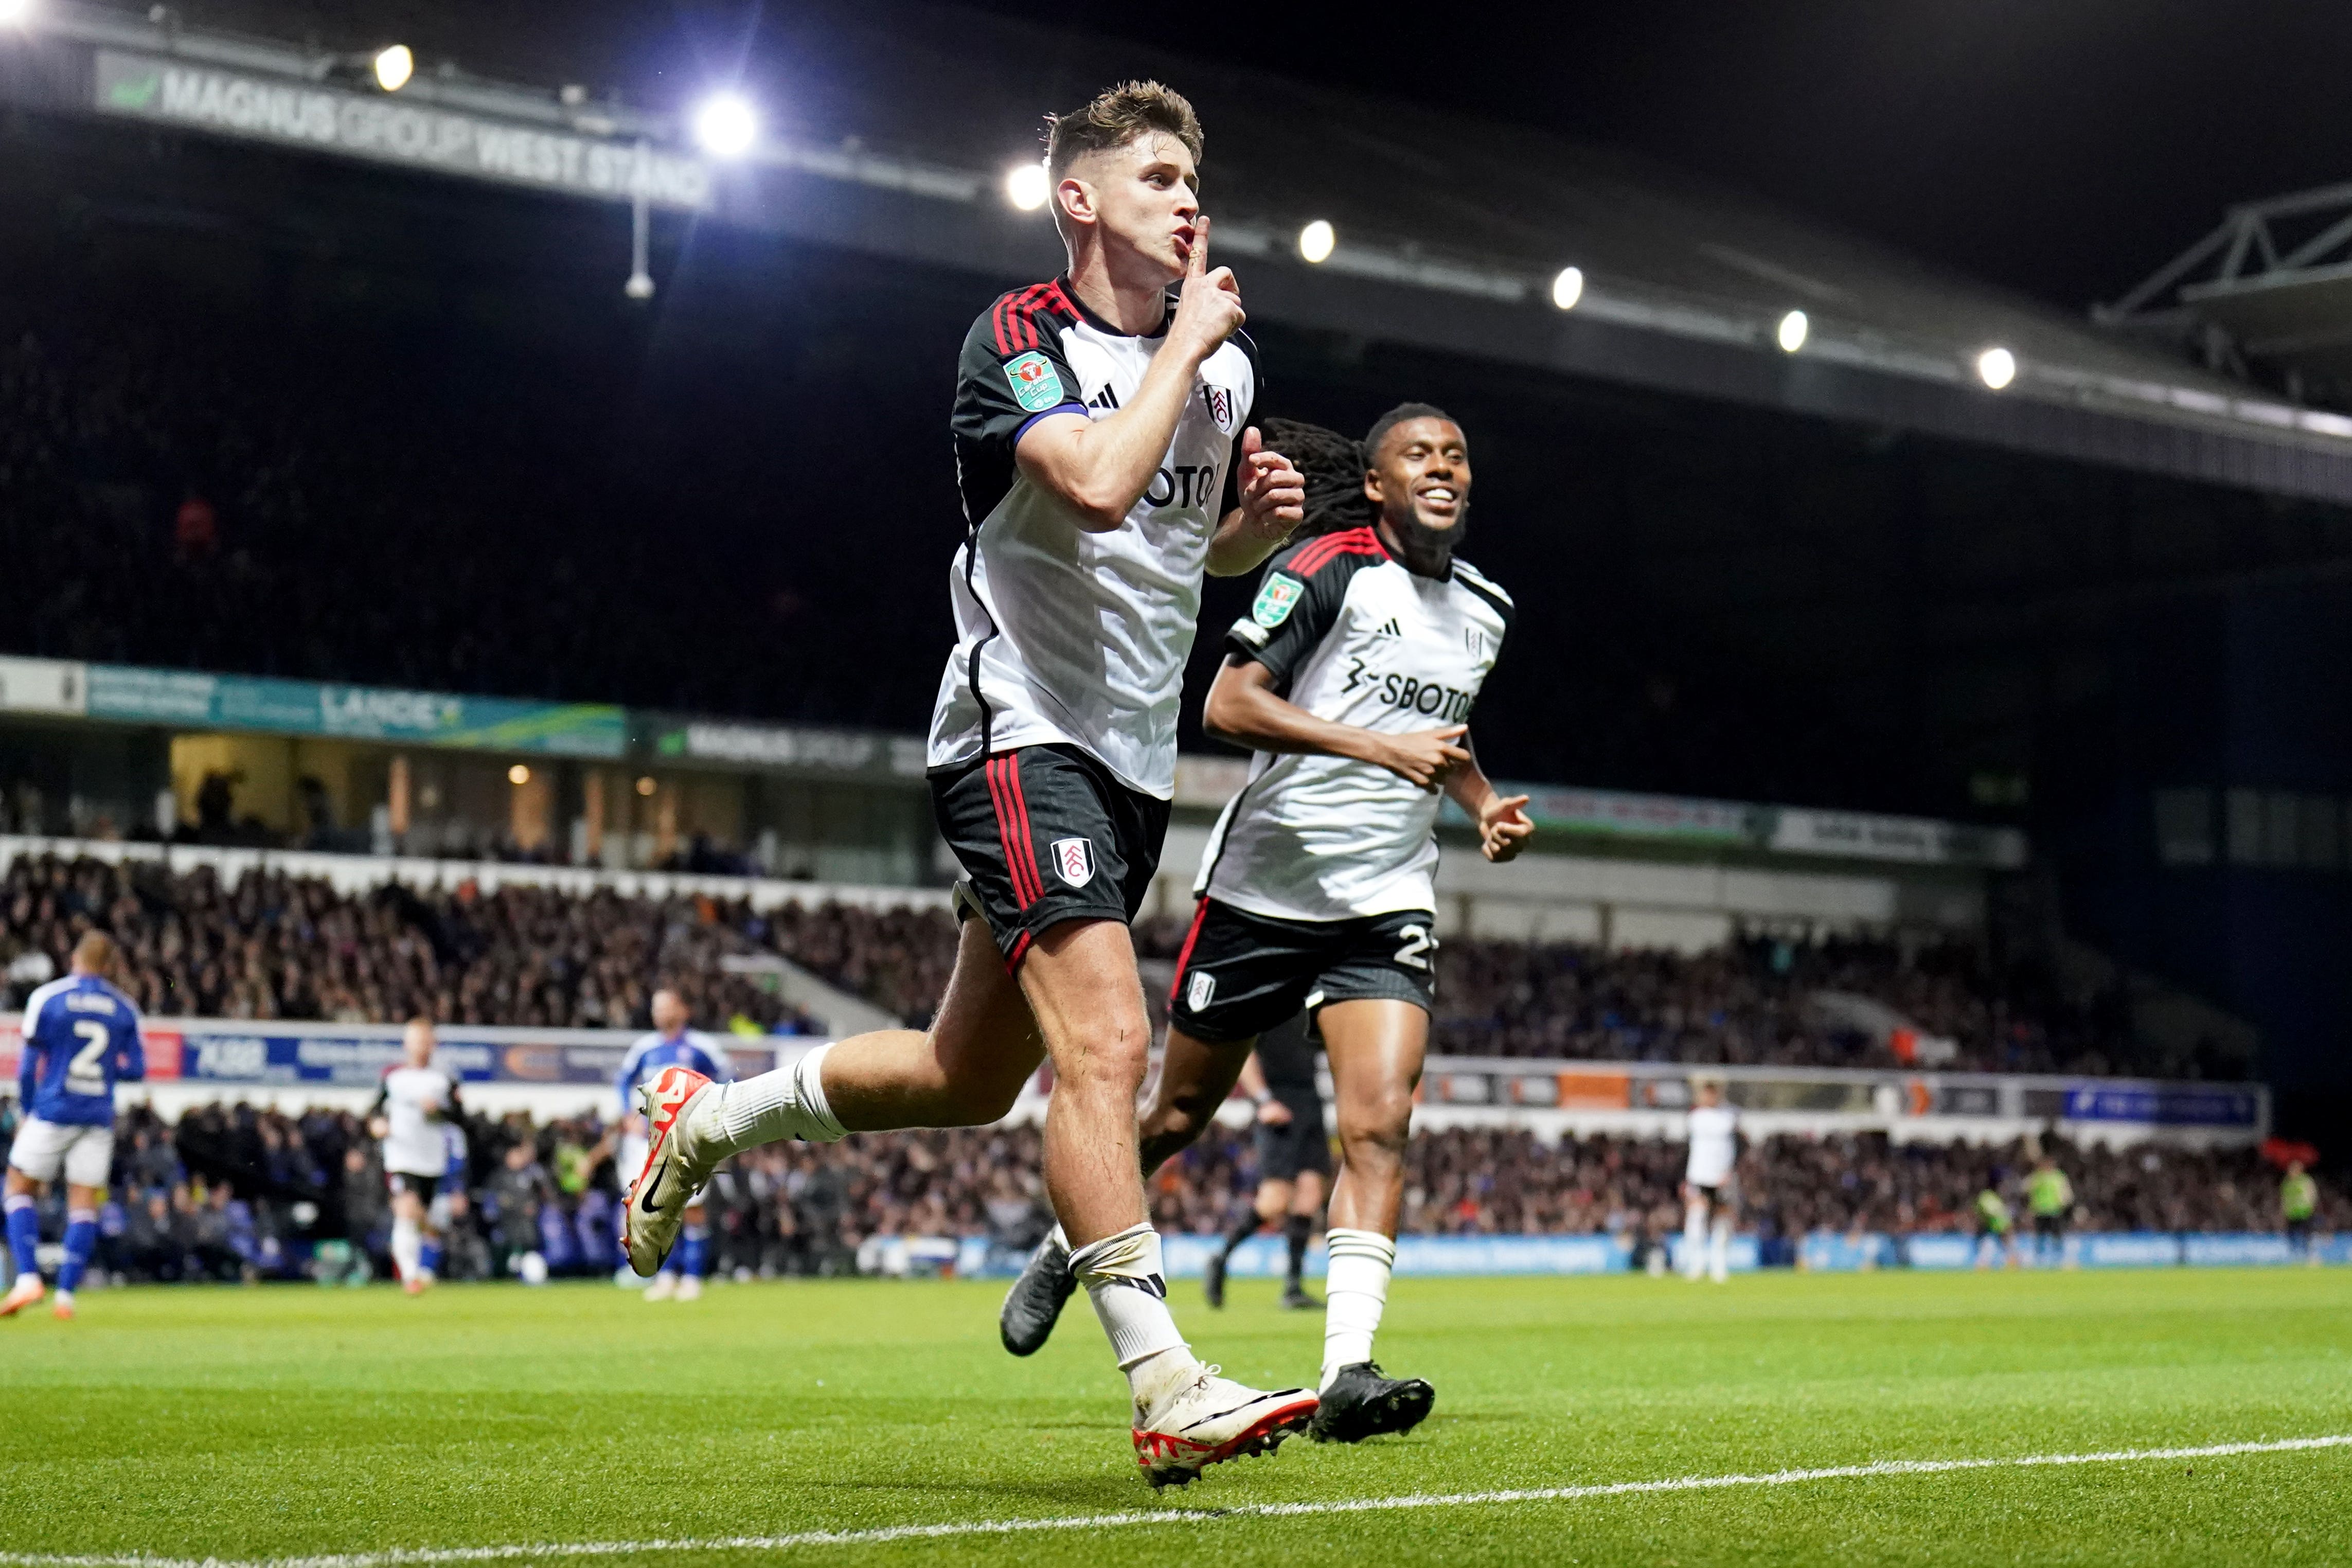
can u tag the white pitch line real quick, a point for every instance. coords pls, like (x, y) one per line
(425, 1557)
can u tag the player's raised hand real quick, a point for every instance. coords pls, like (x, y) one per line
(1209, 305)
(1274, 1113)
(1424, 758)
(1274, 493)
(1503, 828)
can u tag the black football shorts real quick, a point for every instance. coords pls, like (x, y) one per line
(1298, 1144)
(1240, 974)
(1046, 834)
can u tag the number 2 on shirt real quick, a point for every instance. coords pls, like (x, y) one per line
(85, 1073)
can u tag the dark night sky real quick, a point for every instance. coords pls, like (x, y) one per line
(2064, 148)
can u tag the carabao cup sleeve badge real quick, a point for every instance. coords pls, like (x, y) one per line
(1036, 385)
(1275, 599)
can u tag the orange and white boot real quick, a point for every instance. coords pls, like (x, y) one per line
(658, 1198)
(27, 1290)
(1212, 1419)
(62, 1309)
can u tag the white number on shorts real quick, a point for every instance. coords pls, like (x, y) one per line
(86, 1074)
(1418, 945)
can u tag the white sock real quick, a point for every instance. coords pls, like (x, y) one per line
(1354, 1293)
(408, 1248)
(1059, 1237)
(1718, 1251)
(786, 1104)
(1122, 1277)
(1695, 1241)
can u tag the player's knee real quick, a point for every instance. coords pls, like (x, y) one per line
(1110, 1058)
(1377, 1124)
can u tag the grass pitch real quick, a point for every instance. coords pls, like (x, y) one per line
(242, 1425)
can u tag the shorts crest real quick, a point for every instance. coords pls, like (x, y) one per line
(1073, 861)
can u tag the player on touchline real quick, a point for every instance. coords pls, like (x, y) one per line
(414, 1102)
(672, 1044)
(1710, 1183)
(1294, 1158)
(1353, 680)
(81, 1039)
(1107, 460)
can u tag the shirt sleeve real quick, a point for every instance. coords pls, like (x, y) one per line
(130, 1057)
(1012, 376)
(1291, 615)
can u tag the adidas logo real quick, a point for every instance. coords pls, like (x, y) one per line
(1388, 629)
(1106, 399)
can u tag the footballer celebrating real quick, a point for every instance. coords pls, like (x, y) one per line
(1107, 462)
(1352, 680)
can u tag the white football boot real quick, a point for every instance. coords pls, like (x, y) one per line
(1212, 1419)
(663, 1289)
(689, 1289)
(658, 1197)
(28, 1289)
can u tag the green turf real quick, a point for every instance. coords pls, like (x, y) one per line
(193, 1422)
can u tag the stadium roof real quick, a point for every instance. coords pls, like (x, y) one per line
(2271, 284)
(893, 125)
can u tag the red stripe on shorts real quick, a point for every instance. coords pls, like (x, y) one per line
(1006, 834)
(1184, 953)
(1028, 841)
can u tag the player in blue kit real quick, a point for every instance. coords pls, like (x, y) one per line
(81, 1038)
(672, 1044)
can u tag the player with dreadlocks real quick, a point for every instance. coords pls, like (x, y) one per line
(1352, 680)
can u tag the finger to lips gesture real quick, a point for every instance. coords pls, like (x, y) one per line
(1274, 493)
(1209, 306)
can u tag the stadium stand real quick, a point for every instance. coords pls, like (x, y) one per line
(272, 946)
(234, 1191)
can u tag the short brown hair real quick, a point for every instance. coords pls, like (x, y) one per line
(97, 954)
(1116, 117)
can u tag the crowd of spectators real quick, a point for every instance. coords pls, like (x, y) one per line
(273, 947)
(232, 1191)
(190, 489)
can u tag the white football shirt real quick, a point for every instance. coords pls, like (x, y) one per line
(414, 1143)
(1350, 636)
(1064, 636)
(1714, 1146)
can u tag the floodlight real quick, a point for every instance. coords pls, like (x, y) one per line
(1567, 288)
(1026, 186)
(16, 12)
(1316, 240)
(1996, 367)
(726, 125)
(517, 775)
(393, 67)
(1793, 328)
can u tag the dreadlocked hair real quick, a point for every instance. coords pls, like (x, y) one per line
(1333, 466)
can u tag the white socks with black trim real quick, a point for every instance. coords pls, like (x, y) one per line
(786, 1104)
(1122, 1277)
(1354, 1293)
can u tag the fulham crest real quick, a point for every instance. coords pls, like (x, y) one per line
(1074, 859)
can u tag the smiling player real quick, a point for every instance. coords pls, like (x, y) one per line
(1352, 679)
